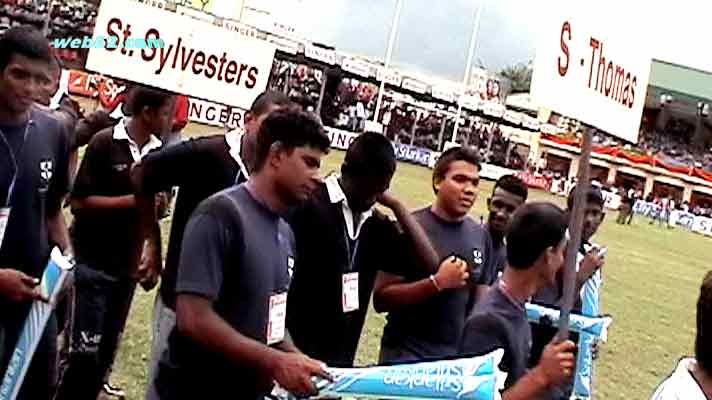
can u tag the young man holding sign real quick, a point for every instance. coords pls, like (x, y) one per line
(235, 268)
(34, 179)
(590, 260)
(535, 254)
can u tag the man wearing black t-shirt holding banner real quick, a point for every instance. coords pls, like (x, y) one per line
(535, 254)
(342, 241)
(199, 168)
(237, 257)
(34, 180)
(426, 310)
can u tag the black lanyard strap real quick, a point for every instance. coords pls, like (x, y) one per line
(13, 159)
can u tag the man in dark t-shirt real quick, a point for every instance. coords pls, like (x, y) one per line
(427, 309)
(230, 340)
(535, 253)
(199, 168)
(508, 194)
(342, 241)
(33, 183)
(588, 268)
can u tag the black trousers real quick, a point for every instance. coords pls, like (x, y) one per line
(101, 307)
(41, 378)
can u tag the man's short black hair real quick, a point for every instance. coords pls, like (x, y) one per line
(291, 128)
(512, 184)
(534, 228)
(268, 99)
(593, 196)
(467, 154)
(143, 96)
(703, 342)
(369, 155)
(26, 41)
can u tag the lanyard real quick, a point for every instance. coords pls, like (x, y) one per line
(242, 171)
(351, 256)
(13, 159)
(238, 159)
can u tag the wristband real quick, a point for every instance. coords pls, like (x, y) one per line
(435, 283)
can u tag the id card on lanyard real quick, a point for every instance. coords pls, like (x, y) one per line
(6, 209)
(349, 280)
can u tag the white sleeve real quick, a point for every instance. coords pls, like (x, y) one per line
(666, 391)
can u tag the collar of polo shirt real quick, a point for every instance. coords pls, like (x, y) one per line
(337, 195)
(137, 153)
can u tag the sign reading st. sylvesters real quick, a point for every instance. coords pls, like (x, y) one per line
(593, 64)
(198, 59)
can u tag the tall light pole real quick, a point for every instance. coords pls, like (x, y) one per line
(468, 68)
(389, 54)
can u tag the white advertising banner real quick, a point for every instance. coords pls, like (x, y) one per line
(340, 139)
(591, 65)
(195, 59)
(494, 172)
(702, 226)
(444, 93)
(390, 76)
(320, 54)
(194, 13)
(214, 114)
(357, 67)
(414, 85)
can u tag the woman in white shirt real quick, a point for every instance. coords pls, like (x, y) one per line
(692, 379)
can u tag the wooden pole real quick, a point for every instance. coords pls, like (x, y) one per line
(575, 228)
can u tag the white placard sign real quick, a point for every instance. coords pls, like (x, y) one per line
(198, 58)
(592, 65)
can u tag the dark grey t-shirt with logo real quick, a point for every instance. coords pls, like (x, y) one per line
(236, 253)
(432, 329)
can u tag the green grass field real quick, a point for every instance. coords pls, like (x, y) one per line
(651, 285)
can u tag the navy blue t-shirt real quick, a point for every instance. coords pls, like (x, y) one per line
(42, 182)
(499, 322)
(432, 329)
(236, 253)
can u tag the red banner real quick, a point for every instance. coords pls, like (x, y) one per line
(535, 181)
(635, 158)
